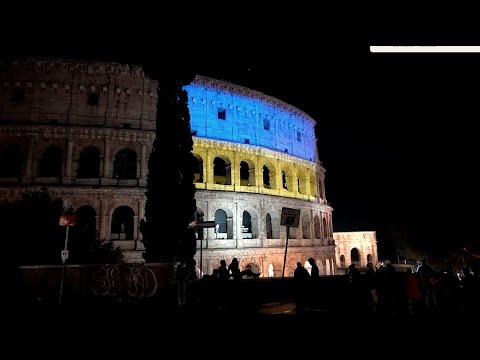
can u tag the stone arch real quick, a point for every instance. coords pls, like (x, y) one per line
(355, 256)
(11, 161)
(224, 220)
(274, 223)
(51, 162)
(269, 180)
(301, 182)
(125, 164)
(247, 172)
(89, 163)
(325, 228)
(306, 223)
(252, 266)
(197, 168)
(249, 224)
(287, 178)
(316, 226)
(122, 225)
(222, 170)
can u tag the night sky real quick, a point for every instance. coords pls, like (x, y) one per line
(396, 133)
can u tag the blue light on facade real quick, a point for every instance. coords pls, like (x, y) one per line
(225, 115)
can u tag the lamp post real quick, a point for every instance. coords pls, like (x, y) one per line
(67, 221)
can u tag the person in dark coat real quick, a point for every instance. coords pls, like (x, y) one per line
(301, 279)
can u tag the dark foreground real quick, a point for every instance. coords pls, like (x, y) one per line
(244, 319)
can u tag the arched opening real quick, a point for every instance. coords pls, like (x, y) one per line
(275, 221)
(125, 165)
(51, 162)
(369, 258)
(197, 169)
(342, 261)
(253, 267)
(287, 180)
(246, 225)
(302, 183)
(316, 226)
(355, 256)
(268, 175)
(221, 172)
(284, 180)
(325, 228)
(247, 174)
(122, 224)
(313, 184)
(11, 160)
(223, 225)
(306, 226)
(89, 163)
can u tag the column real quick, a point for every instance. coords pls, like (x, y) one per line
(143, 163)
(104, 221)
(106, 159)
(307, 185)
(208, 169)
(258, 174)
(312, 228)
(28, 170)
(231, 178)
(68, 165)
(135, 228)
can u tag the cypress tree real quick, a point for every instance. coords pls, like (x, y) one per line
(171, 174)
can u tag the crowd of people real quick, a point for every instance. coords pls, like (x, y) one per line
(378, 288)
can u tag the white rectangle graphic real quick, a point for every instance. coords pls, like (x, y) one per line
(424, 49)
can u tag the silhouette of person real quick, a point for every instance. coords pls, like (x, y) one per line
(223, 273)
(301, 279)
(234, 270)
(314, 272)
(427, 274)
(181, 275)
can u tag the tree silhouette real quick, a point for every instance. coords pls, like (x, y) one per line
(171, 173)
(31, 234)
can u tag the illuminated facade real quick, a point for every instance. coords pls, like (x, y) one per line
(85, 131)
(255, 155)
(357, 247)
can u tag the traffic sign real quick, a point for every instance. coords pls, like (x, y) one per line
(202, 224)
(290, 217)
(68, 220)
(64, 255)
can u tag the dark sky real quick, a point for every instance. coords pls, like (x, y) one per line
(397, 133)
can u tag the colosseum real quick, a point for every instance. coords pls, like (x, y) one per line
(85, 131)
